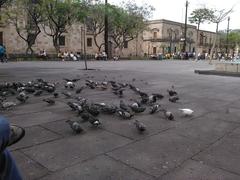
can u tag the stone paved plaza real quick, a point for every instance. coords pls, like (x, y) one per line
(205, 146)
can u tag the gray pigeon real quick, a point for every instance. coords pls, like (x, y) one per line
(49, 101)
(123, 106)
(140, 126)
(67, 94)
(124, 114)
(173, 99)
(154, 108)
(22, 97)
(94, 121)
(75, 126)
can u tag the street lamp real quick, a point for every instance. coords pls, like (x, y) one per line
(185, 29)
(106, 28)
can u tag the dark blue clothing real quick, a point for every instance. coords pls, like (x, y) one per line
(8, 168)
(2, 50)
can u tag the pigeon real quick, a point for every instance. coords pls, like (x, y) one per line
(158, 96)
(29, 90)
(55, 95)
(49, 101)
(187, 112)
(79, 90)
(172, 92)
(22, 97)
(81, 101)
(138, 109)
(70, 85)
(173, 99)
(140, 126)
(6, 105)
(67, 94)
(73, 106)
(109, 109)
(38, 93)
(119, 92)
(71, 80)
(123, 106)
(124, 114)
(169, 115)
(154, 108)
(92, 109)
(85, 116)
(75, 126)
(94, 121)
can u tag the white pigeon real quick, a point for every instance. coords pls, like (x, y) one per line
(187, 112)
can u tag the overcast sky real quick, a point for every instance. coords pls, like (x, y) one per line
(175, 10)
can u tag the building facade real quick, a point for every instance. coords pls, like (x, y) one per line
(161, 36)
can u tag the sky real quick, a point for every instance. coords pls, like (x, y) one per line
(175, 10)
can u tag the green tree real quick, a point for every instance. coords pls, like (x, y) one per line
(95, 23)
(59, 16)
(199, 16)
(127, 22)
(25, 16)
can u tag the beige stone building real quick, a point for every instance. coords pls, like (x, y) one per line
(161, 36)
(164, 36)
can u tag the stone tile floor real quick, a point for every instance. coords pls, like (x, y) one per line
(205, 146)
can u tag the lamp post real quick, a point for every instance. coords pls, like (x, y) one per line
(227, 36)
(106, 28)
(185, 29)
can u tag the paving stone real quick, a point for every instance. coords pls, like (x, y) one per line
(157, 154)
(32, 119)
(226, 113)
(35, 135)
(37, 107)
(101, 168)
(191, 170)
(29, 169)
(154, 124)
(61, 127)
(224, 154)
(205, 129)
(65, 152)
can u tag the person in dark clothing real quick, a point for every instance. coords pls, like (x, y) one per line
(9, 135)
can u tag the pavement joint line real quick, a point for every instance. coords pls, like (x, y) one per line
(214, 166)
(50, 130)
(139, 170)
(26, 147)
(81, 161)
(213, 143)
(118, 134)
(201, 150)
(29, 157)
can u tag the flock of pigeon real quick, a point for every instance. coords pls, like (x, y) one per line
(89, 111)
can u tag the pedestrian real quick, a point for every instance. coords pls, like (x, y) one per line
(3, 55)
(9, 135)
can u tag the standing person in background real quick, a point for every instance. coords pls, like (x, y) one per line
(3, 55)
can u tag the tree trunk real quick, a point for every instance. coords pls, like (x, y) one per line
(56, 44)
(196, 50)
(214, 44)
(29, 50)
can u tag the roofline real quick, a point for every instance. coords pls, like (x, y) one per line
(168, 22)
(156, 21)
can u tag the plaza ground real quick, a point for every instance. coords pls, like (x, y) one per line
(204, 146)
